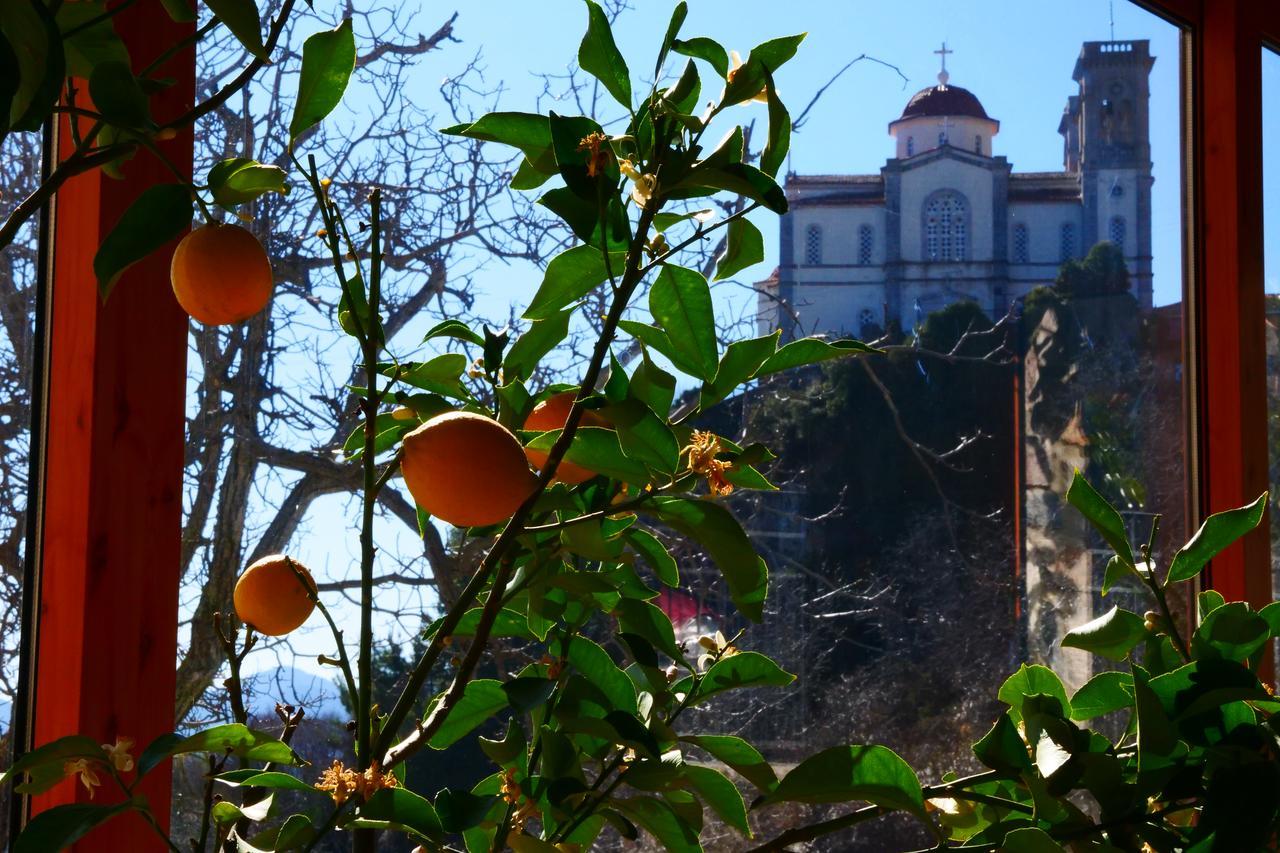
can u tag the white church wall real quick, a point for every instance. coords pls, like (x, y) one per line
(946, 173)
(839, 233)
(838, 308)
(918, 135)
(1044, 222)
(936, 294)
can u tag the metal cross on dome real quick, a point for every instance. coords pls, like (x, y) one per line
(943, 76)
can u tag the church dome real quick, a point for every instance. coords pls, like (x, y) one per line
(943, 100)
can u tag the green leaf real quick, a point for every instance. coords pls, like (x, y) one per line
(454, 329)
(530, 348)
(1105, 693)
(659, 819)
(680, 301)
(724, 540)
(179, 11)
(741, 361)
(117, 95)
(705, 49)
(158, 215)
(1002, 748)
(873, 774)
(763, 60)
(400, 810)
(241, 18)
(1209, 601)
(254, 778)
(1218, 531)
(643, 435)
(59, 827)
(388, 430)
(52, 754)
(737, 178)
(744, 669)
(1028, 681)
(92, 44)
(574, 161)
(1233, 631)
(238, 740)
(524, 693)
(295, 833)
(722, 795)
(647, 621)
(528, 132)
(655, 554)
(583, 217)
(598, 667)
(743, 758)
(242, 179)
(460, 810)
(1112, 635)
(440, 375)
(678, 14)
(157, 751)
(654, 338)
(328, 58)
(482, 698)
(596, 449)
(598, 55)
(779, 141)
(1116, 571)
(1029, 839)
(36, 44)
(571, 275)
(744, 247)
(1271, 613)
(810, 351)
(1101, 515)
(652, 385)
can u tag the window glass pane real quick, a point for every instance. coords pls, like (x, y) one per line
(1027, 289)
(20, 162)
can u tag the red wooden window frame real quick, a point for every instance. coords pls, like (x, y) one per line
(112, 431)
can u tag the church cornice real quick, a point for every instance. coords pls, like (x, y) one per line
(946, 152)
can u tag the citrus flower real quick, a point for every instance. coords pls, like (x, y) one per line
(598, 152)
(341, 782)
(702, 449)
(87, 774)
(761, 96)
(642, 186)
(118, 754)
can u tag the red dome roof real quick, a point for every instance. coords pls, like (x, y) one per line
(944, 101)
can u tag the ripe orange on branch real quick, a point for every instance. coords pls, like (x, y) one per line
(552, 413)
(221, 274)
(270, 596)
(466, 469)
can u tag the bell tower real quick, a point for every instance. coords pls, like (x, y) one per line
(1107, 133)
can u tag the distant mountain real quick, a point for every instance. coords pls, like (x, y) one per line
(317, 693)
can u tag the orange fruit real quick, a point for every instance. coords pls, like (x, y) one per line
(552, 413)
(221, 274)
(466, 469)
(270, 597)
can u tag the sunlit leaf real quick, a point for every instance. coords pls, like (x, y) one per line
(745, 669)
(1112, 635)
(241, 18)
(744, 247)
(328, 58)
(740, 362)
(1218, 531)
(873, 774)
(680, 301)
(482, 698)
(571, 275)
(724, 540)
(810, 351)
(1101, 515)
(1105, 693)
(399, 810)
(242, 179)
(705, 49)
(739, 755)
(598, 55)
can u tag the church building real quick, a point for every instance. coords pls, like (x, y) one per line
(947, 219)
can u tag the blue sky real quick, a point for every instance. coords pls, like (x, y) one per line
(1020, 69)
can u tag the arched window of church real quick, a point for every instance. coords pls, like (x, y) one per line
(977, 144)
(1021, 244)
(911, 146)
(942, 138)
(1067, 241)
(813, 245)
(946, 227)
(866, 322)
(866, 242)
(1117, 232)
